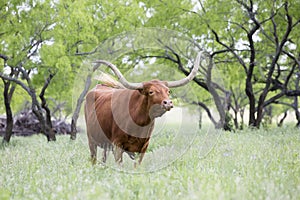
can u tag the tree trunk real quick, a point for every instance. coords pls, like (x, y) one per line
(235, 107)
(73, 128)
(200, 119)
(251, 97)
(296, 108)
(37, 110)
(223, 123)
(48, 122)
(242, 110)
(298, 121)
(7, 93)
(280, 123)
(268, 115)
(235, 119)
(79, 104)
(45, 129)
(47, 110)
(260, 111)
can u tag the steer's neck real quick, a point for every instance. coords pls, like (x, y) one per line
(139, 109)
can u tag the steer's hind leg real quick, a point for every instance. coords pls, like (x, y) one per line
(93, 150)
(104, 155)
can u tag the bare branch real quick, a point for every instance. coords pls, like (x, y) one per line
(292, 93)
(241, 61)
(46, 84)
(207, 111)
(4, 57)
(26, 88)
(276, 40)
(273, 99)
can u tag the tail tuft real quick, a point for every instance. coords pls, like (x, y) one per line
(109, 81)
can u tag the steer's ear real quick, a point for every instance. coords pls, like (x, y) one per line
(145, 88)
(142, 91)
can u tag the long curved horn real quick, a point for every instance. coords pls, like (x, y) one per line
(125, 83)
(172, 84)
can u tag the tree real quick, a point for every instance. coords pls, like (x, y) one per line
(18, 61)
(8, 91)
(256, 39)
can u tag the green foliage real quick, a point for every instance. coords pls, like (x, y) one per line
(254, 164)
(61, 33)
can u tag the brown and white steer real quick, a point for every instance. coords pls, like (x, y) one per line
(121, 118)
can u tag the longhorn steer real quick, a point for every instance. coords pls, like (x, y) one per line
(122, 118)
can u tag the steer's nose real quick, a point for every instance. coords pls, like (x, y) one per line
(167, 104)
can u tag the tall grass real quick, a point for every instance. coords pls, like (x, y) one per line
(253, 164)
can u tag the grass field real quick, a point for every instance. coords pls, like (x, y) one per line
(253, 164)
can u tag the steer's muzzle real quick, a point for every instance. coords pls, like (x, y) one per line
(167, 104)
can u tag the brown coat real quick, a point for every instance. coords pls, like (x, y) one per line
(122, 120)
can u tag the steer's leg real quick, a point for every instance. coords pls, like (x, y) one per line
(118, 152)
(106, 148)
(141, 156)
(104, 155)
(143, 150)
(93, 150)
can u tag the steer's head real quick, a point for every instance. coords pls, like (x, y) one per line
(157, 95)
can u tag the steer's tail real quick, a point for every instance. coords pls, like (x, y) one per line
(109, 81)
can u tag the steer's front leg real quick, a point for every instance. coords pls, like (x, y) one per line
(142, 154)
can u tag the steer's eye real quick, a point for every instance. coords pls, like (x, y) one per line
(151, 92)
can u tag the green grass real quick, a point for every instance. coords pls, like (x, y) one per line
(256, 164)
